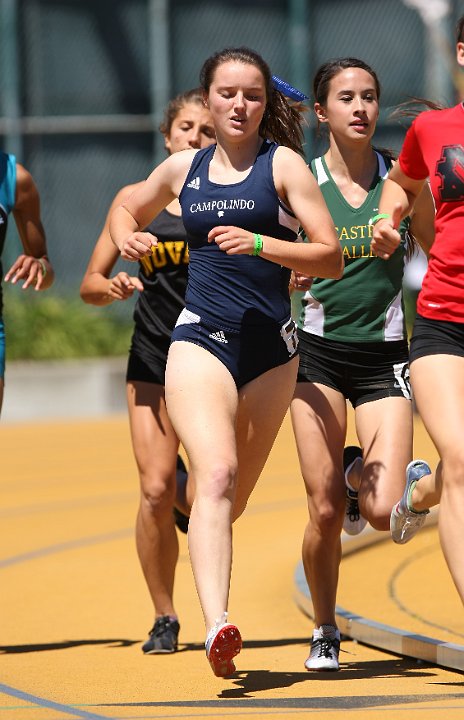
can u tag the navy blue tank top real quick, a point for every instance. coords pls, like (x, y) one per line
(229, 290)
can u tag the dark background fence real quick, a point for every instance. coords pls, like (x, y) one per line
(84, 84)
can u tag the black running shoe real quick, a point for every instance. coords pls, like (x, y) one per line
(163, 636)
(181, 520)
(354, 522)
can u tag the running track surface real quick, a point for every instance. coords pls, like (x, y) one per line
(75, 610)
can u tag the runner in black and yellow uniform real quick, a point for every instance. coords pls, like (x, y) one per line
(161, 282)
(353, 346)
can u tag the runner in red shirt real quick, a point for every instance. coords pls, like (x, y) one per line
(434, 149)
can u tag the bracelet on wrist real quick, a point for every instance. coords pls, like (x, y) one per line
(43, 267)
(258, 247)
(381, 216)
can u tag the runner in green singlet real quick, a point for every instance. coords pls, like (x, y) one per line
(353, 346)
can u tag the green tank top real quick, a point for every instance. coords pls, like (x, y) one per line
(366, 304)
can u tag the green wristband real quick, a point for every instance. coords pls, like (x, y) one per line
(380, 216)
(258, 244)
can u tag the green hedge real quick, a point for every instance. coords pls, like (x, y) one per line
(46, 327)
(41, 327)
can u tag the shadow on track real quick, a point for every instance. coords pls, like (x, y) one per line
(66, 644)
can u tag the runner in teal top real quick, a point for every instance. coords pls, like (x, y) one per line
(353, 346)
(7, 197)
(18, 195)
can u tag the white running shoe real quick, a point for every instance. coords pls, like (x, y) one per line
(404, 521)
(223, 643)
(325, 647)
(354, 522)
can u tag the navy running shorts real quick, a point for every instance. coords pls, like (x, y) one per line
(362, 372)
(247, 353)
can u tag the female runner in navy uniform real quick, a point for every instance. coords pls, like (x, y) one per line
(161, 282)
(233, 358)
(19, 195)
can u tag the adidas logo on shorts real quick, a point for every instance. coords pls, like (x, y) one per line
(218, 336)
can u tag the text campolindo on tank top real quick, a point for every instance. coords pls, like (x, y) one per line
(227, 289)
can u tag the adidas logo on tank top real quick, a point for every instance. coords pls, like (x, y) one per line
(194, 184)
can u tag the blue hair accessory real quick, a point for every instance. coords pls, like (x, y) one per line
(288, 90)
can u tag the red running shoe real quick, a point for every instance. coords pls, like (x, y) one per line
(223, 643)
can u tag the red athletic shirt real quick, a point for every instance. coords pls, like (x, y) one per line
(434, 148)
